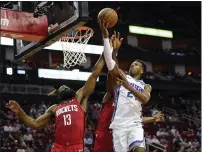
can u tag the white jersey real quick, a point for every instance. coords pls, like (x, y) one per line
(127, 108)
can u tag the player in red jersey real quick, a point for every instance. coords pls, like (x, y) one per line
(69, 114)
(103, 135)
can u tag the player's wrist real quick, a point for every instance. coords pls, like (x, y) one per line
(106, 39)
(104, 35)
(19, 111)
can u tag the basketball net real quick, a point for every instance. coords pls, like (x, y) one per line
(73, 46)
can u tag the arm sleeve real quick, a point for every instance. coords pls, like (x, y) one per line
(108, 55)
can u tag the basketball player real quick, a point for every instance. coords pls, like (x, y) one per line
(69, 114)
(103, 135)
(128, 134)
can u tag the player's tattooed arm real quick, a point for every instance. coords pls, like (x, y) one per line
(142, 96)
(38, 123)
(83, 93)
(159, 117)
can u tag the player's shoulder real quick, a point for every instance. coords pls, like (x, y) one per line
(52, 108)
(148, 86)
(129, 77)
(142, 82)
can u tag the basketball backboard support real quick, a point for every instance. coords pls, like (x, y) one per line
(80, 17)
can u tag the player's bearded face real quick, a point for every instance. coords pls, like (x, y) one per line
(65, 93)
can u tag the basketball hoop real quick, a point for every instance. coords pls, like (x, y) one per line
(73, 45)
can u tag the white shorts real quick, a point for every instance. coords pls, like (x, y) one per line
(128, 138)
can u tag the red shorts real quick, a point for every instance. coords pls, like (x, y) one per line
(72, 148)
(103, 141)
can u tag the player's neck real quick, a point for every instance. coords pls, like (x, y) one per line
(136, 77)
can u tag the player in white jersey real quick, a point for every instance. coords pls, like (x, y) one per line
(128, 134)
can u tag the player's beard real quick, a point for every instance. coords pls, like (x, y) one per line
(66, 94)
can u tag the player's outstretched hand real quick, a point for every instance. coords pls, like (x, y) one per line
(14, 106)
(111, 40)
(103, 26)
(123, 81)
(117, 41)
(159, 117)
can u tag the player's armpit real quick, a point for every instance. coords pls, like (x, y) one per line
(40, 122)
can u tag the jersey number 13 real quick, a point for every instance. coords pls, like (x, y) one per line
(67, 119)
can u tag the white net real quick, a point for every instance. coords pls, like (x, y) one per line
(73, 45)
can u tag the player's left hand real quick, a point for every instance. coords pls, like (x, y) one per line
(123, 81)
(117, 41)
(159, 117)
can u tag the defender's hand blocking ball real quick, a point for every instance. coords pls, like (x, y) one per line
(109, 15)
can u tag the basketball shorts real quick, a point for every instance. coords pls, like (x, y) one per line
(103, 141)
(128, 138)
(72, 148)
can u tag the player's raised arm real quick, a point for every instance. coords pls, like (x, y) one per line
(38, 123)
(157, 118)
(89, 86)
(83, 93)
(115, 43)
(111, 64)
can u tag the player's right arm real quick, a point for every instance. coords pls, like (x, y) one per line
(111, 64)
(38, 123)
(115, 43)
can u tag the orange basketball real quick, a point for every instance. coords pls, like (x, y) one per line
(109, 15)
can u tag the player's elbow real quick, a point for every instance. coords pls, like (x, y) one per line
(145, 100)
(37, 126)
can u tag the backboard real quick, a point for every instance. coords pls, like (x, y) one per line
(26, 50)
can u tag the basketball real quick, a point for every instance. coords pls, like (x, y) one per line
(109, 15)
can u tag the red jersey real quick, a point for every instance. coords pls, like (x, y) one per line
(70, 123)
(104, 120)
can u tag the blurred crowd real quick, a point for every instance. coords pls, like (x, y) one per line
(173, 134)
(178, 51)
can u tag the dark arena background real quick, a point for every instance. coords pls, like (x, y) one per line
(32, 65)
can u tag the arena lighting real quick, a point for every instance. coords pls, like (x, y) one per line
(90, 49)
(9, 71)
(150, 31)
(75, 70)
(64, 75)
(21, 71)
